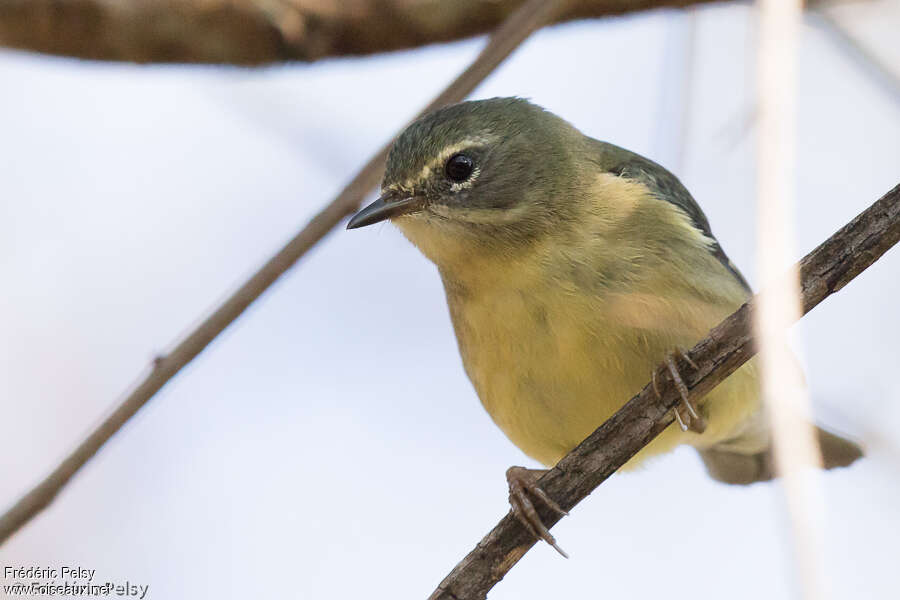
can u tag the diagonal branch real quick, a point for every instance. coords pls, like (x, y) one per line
(253, 32)
(729, 345)
(530, 16)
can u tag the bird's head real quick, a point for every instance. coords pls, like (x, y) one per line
(477, 177)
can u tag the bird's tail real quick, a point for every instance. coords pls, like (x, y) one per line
(728, 466)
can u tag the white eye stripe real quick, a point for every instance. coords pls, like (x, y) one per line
(437, 163)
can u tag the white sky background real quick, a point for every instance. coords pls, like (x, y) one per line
(329, 444)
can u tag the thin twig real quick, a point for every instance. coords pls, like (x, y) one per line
(729, 345)
(858, 50)
(529, 17)
(677, 79)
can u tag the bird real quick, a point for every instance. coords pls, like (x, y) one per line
(573, 268)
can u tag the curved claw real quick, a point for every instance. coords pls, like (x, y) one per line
(680, 352)
(678, 418)
(522, 484)
(694, 422)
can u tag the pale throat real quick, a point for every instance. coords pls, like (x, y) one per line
(479, 262)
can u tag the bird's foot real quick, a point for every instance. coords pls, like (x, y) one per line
(690, 419)
(522, 489)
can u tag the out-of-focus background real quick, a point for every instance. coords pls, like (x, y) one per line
(329, 444)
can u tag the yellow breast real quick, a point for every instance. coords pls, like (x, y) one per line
(558, 336)
(550, 367)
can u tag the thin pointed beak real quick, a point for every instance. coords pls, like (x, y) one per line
(388, 205)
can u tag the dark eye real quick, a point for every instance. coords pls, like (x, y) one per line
(459, 167)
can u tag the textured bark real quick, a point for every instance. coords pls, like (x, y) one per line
(253, 32)
(823, 271)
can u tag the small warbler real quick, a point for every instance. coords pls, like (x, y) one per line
(572, 268)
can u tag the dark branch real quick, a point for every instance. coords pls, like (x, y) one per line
(823, 271)
(253, 32)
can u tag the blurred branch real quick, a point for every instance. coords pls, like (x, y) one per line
(729, 345)
(857, 50)
(253, 32)
(796, 452)
(529, 17)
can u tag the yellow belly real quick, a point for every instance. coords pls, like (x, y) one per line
(551, 365)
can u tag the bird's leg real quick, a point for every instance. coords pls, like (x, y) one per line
(692, 419)
(522, 488)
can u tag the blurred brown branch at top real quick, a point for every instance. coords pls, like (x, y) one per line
(254, 32)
